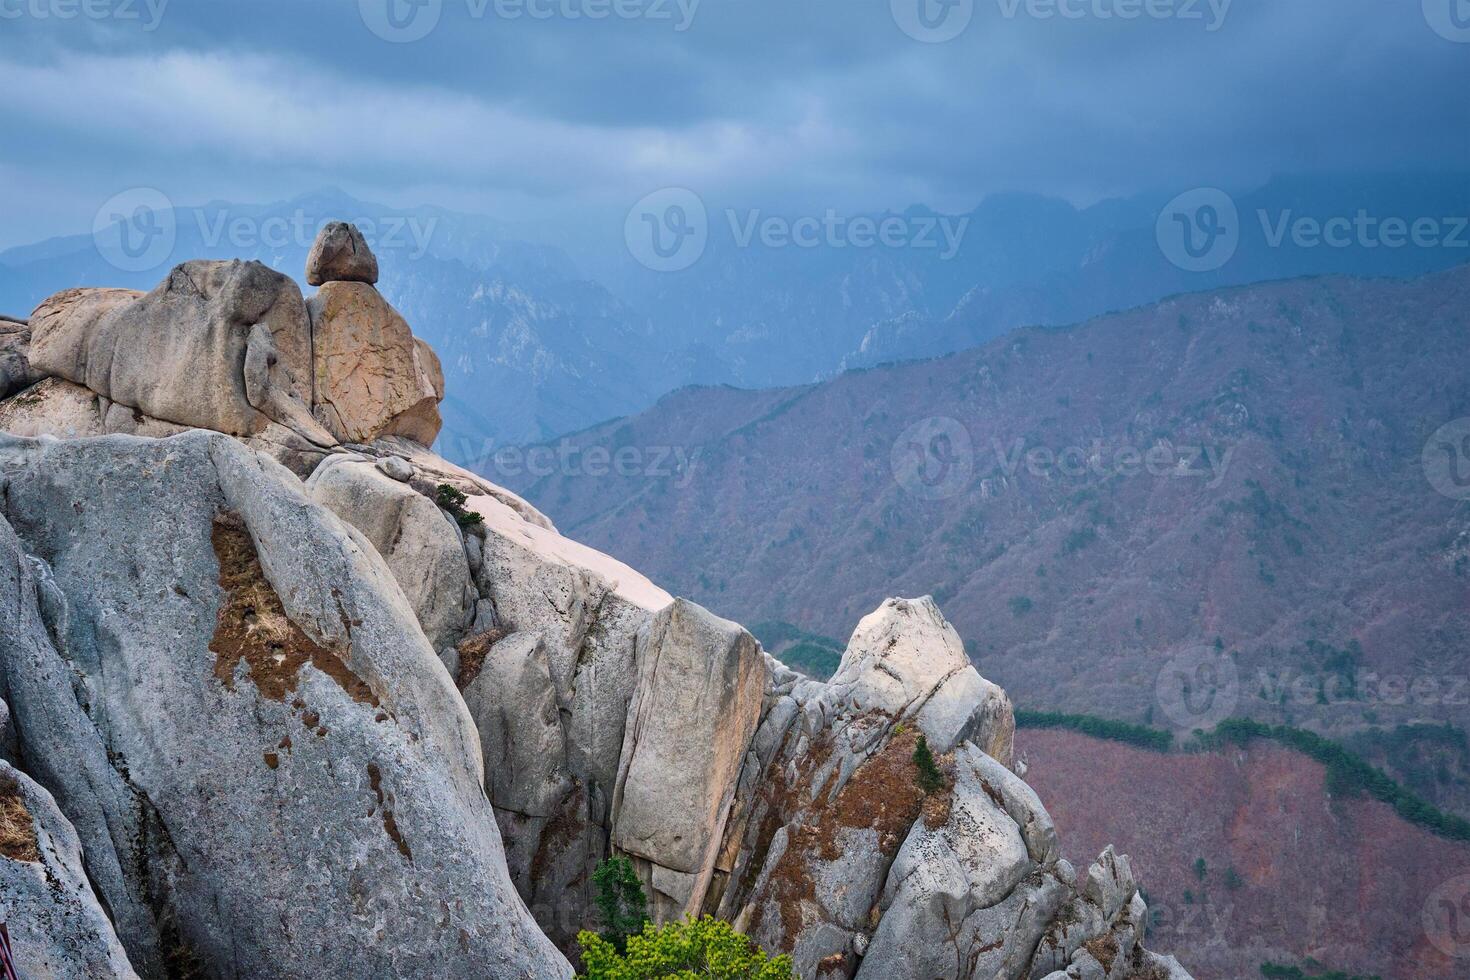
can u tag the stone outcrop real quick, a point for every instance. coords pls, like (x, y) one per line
(338, 721)
(57, 928)
(340, 254)
(270, 770)
(421, 543)
(232, 347)
(371, 379)
(16, 372)
(701, 681)
(180, 352)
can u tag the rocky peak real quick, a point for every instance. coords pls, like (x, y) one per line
(234, 347)
(370, 714)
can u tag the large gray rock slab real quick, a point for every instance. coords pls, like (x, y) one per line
(311, 780)
(59, 408)
(701, 683)
(57, 928)
(514, 705)
(420, 542)
(586, 611)
(179, 353)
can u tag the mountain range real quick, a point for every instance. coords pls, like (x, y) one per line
(1244, 488)
(534, 345)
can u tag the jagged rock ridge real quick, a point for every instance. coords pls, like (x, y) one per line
(323, 718)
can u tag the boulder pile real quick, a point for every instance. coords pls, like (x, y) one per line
(368, 714)
(232, 347)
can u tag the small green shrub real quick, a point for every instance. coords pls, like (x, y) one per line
(620, 902)
(452, 499)
(705, 948)
(931, 780)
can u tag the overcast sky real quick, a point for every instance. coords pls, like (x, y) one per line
(796, 104)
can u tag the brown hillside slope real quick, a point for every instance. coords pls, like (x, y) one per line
(1342, 881)
(1074, 587)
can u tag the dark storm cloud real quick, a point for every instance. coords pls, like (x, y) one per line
(777, 103)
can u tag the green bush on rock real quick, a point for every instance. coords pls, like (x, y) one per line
(620, 901)
(704, 949)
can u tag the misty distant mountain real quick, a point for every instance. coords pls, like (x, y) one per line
(534, 348)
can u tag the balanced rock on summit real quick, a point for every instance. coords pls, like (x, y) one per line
(340, 254)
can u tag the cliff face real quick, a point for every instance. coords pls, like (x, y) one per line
(1289, 871)
(316, 702)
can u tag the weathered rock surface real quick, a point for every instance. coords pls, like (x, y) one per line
(905, 661)
(371, 379)
(701, 680)
(16, 372)
(57, 928)
(54, 407)
(513, 701)
(242, 690)
(955, 896)
(270, 770)
(549, 608)
(421, 544)
(340, 254)
(179, 353)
